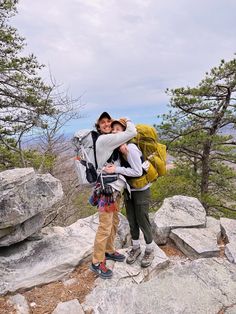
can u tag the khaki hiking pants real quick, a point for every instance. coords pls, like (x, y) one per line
(106, 233)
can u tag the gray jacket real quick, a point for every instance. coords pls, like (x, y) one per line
(135, 169)
(106, 143)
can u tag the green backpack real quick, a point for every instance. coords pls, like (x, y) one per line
(147, 141)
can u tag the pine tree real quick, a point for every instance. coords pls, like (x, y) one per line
(24, 98)
(195, 130)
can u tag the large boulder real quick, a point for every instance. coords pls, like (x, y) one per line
(24, 197)
(127, 275)
(198, 242)
(32, 263)
(201, 286)
(177, 212)
(23, 230)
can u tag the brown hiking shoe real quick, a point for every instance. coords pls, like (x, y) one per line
(133, 255)
(147, 258)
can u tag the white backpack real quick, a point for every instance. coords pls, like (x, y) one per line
(85, 161)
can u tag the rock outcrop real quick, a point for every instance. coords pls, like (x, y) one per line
(201, 286)
(32, 263)
(198, 242)
(177, 212)
(199, 283)
(24, 198)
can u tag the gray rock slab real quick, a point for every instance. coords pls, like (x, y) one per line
(125, 274)
(23, 230)
(231, 309)
(10, 178)
(31, 263)
(24, 194)
(5, 231)
(177, 212)
(128, 275)
(201, 286)
(228, 229)
(230, 251)
(69, 282)
(213, 225)
(123, 232)
(198, 242)
(20, 304)
(69, 307)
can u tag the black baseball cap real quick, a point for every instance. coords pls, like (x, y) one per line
(104, 115)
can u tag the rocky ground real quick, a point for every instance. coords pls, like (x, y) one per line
(79, 283)
(76, 285)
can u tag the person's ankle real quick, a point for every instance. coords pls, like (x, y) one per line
(135, 244)
(149, 247)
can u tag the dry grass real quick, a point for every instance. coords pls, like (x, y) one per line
(44, 299)
(171, 250)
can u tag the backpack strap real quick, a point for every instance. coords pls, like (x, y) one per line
(114, 156)
(95, 136)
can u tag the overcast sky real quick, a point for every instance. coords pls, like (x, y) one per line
(121, 55)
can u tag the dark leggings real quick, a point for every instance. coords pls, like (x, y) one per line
(137, 208)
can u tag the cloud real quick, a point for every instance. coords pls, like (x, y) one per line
(124, 54)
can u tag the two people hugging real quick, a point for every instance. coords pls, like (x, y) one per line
(115, 155)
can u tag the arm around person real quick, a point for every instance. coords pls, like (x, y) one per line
(113, 140)
(134, 159)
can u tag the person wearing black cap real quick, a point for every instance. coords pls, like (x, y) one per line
(108, 215)
(103, 124)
